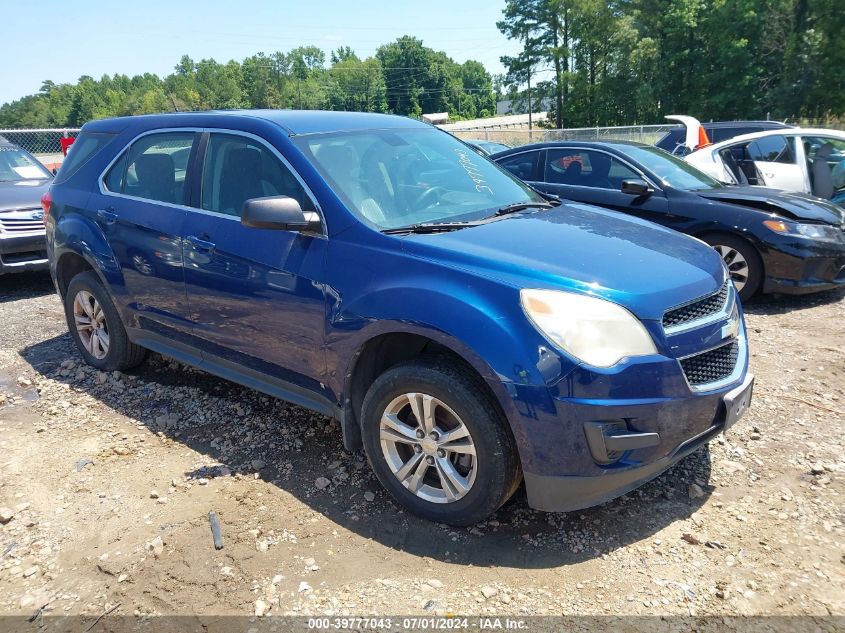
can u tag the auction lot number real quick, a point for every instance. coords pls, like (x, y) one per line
(375, 624)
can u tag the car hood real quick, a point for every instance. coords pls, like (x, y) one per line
(581, 248)
(792, 205)
(23, 194)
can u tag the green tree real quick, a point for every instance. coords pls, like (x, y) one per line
(418, 79)
(357, 85)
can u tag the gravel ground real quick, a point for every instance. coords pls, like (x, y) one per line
(106, 482)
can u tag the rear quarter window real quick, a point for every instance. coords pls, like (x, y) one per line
(82, 150)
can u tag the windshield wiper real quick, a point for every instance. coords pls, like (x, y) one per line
(522, 206)
(430, 227)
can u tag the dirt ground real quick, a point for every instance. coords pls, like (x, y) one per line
(106, 482)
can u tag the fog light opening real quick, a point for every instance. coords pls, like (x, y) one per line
(610, 440)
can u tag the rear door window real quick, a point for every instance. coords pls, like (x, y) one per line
(154, 168)
(771, 149)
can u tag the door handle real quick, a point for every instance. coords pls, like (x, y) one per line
(201, 245)
(107, 216)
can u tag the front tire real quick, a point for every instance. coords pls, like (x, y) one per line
(743, 262)
(96, 328)
(438, 443)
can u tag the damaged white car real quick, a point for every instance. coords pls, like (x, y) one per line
(809, 160)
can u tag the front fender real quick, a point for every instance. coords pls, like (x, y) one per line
(485, 326)
(482, 322)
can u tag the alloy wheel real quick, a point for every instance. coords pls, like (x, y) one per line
(428, 448)
(90, 321)
(736, 263)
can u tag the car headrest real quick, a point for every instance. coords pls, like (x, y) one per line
(825, 151)
(157, 174)
(337, 159)
(243, 160)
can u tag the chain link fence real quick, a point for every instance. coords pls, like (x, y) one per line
(648, 134)
(45, 144)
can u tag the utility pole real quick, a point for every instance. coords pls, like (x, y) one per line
(528, 62)
(299, 90)
(530, 113)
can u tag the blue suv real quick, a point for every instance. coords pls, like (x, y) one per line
(466, 331)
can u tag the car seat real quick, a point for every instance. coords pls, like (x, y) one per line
(156, 175)
(822, 175)
(240, 179)
(599, 171)
(733, 167)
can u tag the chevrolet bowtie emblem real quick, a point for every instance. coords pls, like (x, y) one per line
(731, 328)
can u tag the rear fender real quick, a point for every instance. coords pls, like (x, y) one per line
(79, 235)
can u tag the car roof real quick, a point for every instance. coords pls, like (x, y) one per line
(294, 122)
(795, 131)
(721, 124)
(618, 146)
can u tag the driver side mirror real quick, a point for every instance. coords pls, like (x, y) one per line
(636, 187)
(280, 213)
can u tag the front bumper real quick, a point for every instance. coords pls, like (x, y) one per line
(19, 253)
(556, 493)
(797, 266)
(595, 433)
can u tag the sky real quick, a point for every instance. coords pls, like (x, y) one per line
(61, 40)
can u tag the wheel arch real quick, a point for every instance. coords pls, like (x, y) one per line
(749, 239)
(386, 349)
(753, 243)
(81, 245)
(68, 266)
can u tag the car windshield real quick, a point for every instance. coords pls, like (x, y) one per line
(672, 172)
(16, 164)
(398, 178)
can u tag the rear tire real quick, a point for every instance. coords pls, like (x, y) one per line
(96, 328)
(465, 465)
(743, 262)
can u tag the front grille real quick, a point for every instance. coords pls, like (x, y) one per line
(698, 309)
(711, 366)
(18, 224)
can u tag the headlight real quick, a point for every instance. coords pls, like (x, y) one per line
(811, 231)
(595, 331)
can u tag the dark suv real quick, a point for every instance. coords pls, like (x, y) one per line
(465, 330)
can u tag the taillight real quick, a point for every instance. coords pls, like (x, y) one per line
(46, 204)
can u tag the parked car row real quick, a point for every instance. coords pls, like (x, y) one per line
(771, 241)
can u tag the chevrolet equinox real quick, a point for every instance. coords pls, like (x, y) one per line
(467, 332)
